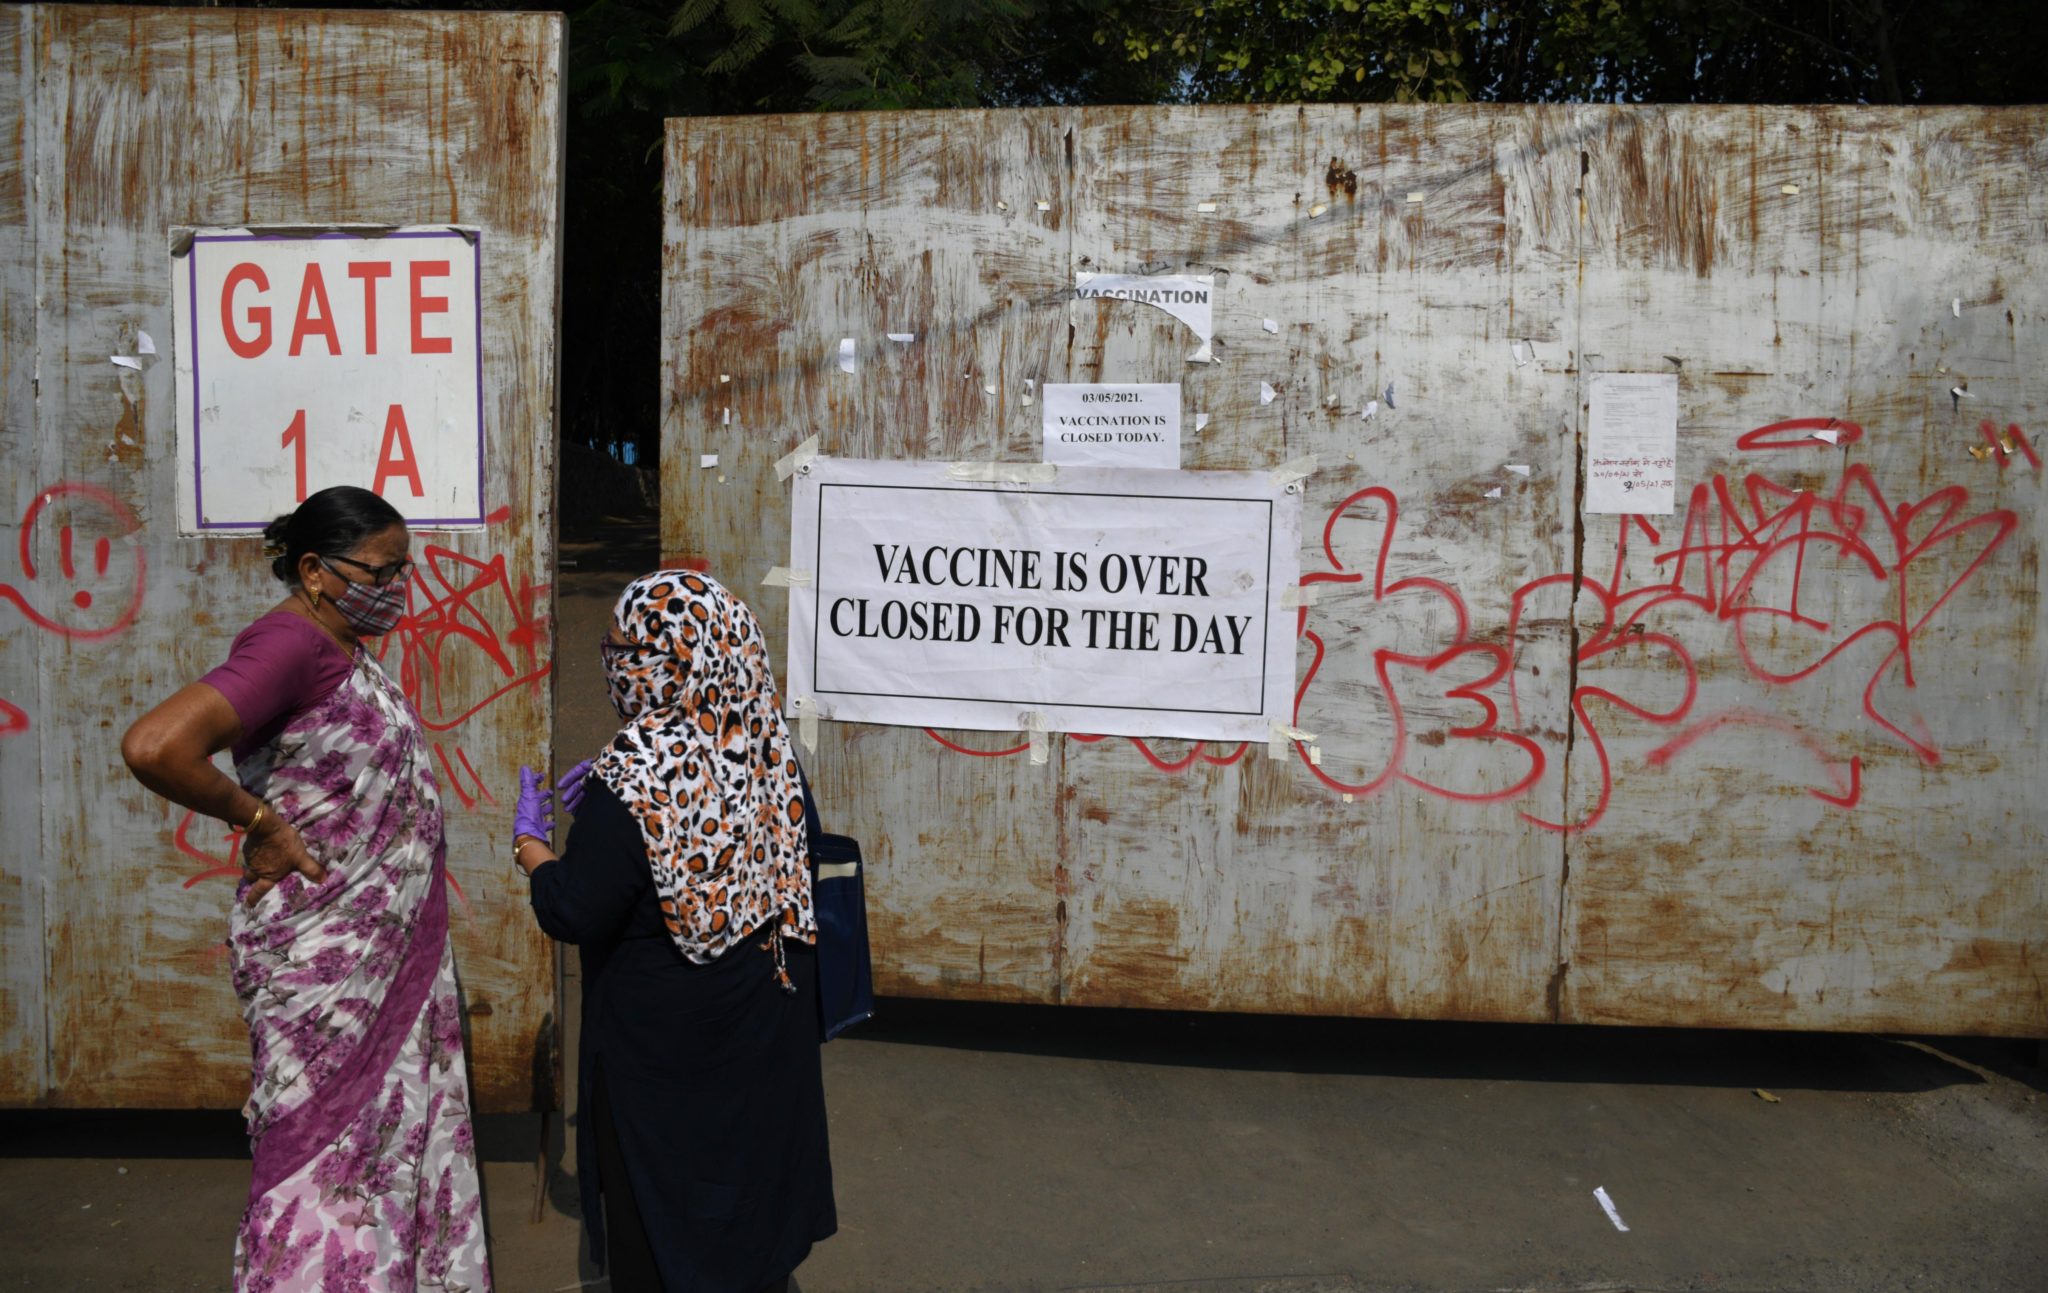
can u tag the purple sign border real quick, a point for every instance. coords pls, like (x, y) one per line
(475, 241)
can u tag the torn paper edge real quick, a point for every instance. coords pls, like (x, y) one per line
(1203, 354)
(784, 577)
(796, 459)
(1201, 420)
(1270, 325)
(1607, 1206)
(1371, 407)
(1008, 473)
(143, 344)
(1293, 470)
(1494, 492)
(1519, 468)
(126, 361)
(1829, 434)
(1282, 737)
(1521, 352)
(1295, 596)
(1266, 392)
(848, 358)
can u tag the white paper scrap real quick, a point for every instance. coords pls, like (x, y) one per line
(1266, 392)
(1955, 306)
(1521, 353)
(1315, 756)
(1187, 297)
(1519, 468)
(143, 344)
(707, 460)
(1788, 189)
(1829, 434)
(1415, 197)
(1045, 206)
(1494, 492)
(847, 363)
(1002, 206)
(1201, 420)
(903, 338)
(723, 378)
(1607, 1206)
(1371, 407)
(988, 390)
(1318, 209)
(1271, 325)
(1206, 208)
(1632, 443)
(127, 361)
(1202, 354)
(728, 416)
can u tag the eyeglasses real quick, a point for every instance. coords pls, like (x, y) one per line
(379, 575)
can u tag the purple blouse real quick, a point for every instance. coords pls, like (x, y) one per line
(278, 668)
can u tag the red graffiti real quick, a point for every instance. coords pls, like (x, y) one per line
(469, 639)
(1746, 557)
(101, 572)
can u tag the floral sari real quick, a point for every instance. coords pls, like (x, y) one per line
(365, 1168)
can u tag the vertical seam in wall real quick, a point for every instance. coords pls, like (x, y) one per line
(1561, 965)
(32, 63)
(1063, 803)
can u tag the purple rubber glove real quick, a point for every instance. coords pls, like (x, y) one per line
(570, 787)
(534, 814)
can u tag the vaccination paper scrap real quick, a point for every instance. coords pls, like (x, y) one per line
(1113, 424)
(1186, 297)
(1110, 600)
(1632, 443)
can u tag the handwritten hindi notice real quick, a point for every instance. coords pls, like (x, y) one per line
(1632, 443)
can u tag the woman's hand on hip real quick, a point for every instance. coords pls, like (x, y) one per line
(273, 850)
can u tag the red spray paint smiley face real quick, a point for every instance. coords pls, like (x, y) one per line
(82, 565)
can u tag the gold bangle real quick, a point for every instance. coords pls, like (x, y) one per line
(253, 820)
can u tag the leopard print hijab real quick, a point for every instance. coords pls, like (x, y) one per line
(704, 764)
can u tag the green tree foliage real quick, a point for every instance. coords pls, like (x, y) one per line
(1665, 51)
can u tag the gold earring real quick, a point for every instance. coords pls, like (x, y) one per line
(314, 589)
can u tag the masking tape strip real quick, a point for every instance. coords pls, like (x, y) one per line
(1034, 726)
(1296, 596)
(1284, 736)
(794, 461)
(1294, 469)
(1009, 473)
(838, 870)
(806, 721)
(784, 577)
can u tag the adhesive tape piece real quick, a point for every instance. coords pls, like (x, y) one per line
(806, 721)
(792, 462)
(1296, 596)
(838, 870)
(1011, 473)
(1284, 736)
(1034, 727)
(784, 577)
(1294, 469)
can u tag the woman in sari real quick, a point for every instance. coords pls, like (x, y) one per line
(365, 1168)
(686, 883)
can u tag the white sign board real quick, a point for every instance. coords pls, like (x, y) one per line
(1113, 424)
(330, 357)
(1632, 443)
(1113, 601)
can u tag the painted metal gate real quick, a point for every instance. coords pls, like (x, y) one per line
(1766, 762)
(130, 122)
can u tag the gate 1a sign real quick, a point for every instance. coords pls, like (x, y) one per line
(309, 358)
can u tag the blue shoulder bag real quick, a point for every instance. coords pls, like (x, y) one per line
(846, 977)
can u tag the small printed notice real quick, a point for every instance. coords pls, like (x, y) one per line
(1187, 297)
(1113, 424)
(313, 357)
(1632, 443)
(1112, 601)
